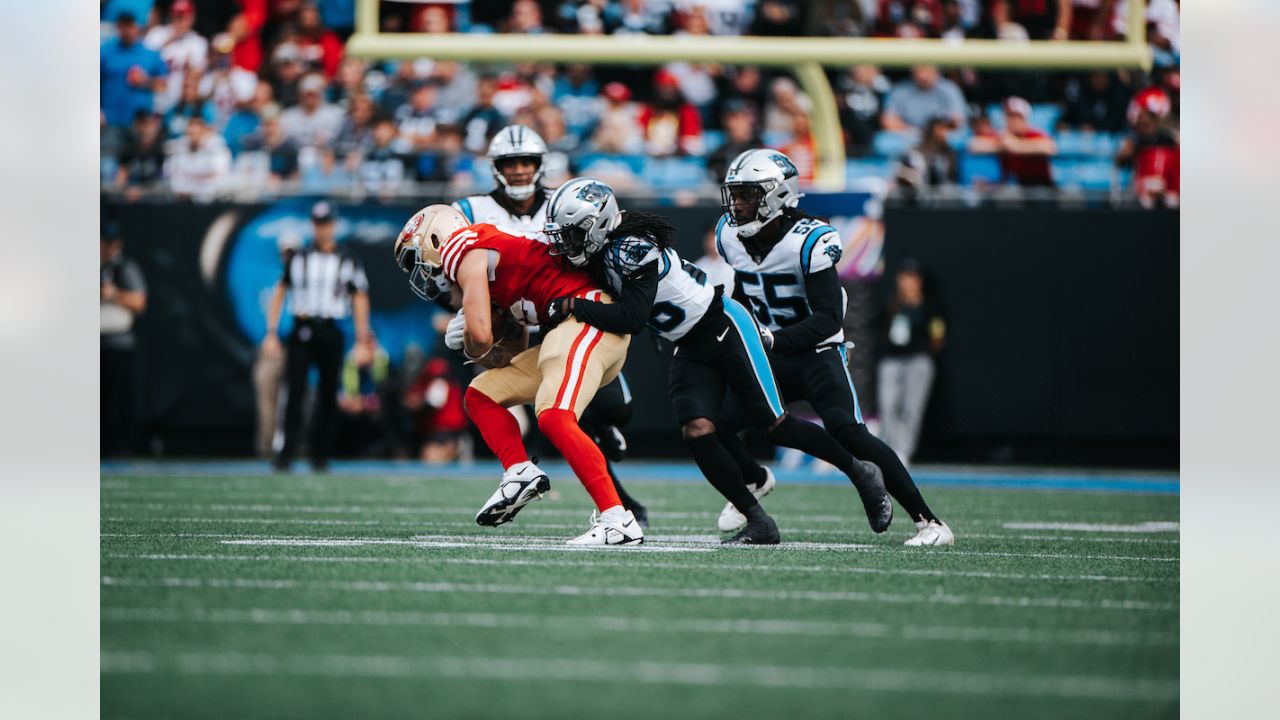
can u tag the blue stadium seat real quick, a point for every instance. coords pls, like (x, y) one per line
(1086, 144)
(880, 167)
(1085, 174)
(1045, 116)
(712, 139)
(979, 167)
(675, 173)
(775, 138)
(893, 144)
(634, 163)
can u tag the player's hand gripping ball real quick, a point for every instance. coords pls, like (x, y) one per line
(508, 340)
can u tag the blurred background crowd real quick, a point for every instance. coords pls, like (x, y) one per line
(246, 99)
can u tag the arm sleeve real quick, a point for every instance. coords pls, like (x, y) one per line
(628, 314)
(825, 300)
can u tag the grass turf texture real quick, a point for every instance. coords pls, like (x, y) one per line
(329, 596)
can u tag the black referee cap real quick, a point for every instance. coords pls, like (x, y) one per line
(324, 211)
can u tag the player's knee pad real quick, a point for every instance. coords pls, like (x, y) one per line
(697, 427)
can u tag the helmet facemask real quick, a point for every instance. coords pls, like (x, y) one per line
(518, 192)
(570, 242)
(746, 207)
(426, 282)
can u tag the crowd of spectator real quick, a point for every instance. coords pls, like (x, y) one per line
(227, 98)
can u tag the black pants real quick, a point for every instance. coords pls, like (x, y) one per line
(820, 376)
(723, 352)
(317, 342)
(115, 418)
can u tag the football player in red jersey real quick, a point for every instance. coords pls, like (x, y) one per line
(518, 275)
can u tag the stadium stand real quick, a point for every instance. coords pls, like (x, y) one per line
(242, 71)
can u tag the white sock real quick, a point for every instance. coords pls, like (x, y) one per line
(617, 512)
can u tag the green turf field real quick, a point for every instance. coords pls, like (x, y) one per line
(354, 597)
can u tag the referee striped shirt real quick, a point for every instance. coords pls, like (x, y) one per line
(321, 283)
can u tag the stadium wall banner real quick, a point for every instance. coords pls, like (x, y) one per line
(1063, 324)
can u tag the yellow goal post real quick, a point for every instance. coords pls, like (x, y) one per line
(806, 56)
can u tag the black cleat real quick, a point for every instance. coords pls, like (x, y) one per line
(875, 498)
(756, 532)
(521, 485)
(641, 514)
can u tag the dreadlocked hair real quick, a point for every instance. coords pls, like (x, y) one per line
(648, 226)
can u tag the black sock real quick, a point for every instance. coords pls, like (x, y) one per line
(752, 471)
(812, 440)
(897, 480)
(628, 502)
(756, 514)
(721, 471)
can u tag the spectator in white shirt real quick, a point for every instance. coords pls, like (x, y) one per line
(312, 122)
(180, 47)
(225, 85)
(199, 165)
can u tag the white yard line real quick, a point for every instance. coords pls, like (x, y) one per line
(1144, 527)
(595, 670)
(596, 563)
(379, 506)
(396, 586)
(477, 540)
(631, 624)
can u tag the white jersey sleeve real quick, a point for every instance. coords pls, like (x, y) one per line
(821, 249)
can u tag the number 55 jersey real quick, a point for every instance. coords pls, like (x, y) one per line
(774, 283)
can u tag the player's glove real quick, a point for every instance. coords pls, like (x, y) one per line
(558, 311)
(766, 337)
(453, 334)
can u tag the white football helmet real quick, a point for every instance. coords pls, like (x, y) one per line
(580, 216)
(515, 141)
(758, 186)
(418, 246)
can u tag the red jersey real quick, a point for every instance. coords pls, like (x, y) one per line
(526, 278)
(1027, 170)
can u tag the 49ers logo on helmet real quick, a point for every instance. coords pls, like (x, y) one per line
(412, 226)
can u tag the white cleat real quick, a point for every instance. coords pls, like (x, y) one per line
(521, 484)
(730, 519)
(931, 532)
(614, 526)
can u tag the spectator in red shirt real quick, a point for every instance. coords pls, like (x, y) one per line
(1024, 150)
(671, 125)
(320, 46)
(246, 30)
(1152, 150)
(434, 400)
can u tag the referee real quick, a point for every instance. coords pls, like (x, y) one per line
(324, 285)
